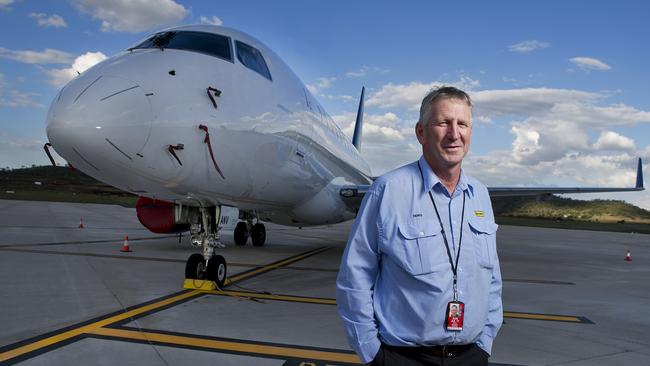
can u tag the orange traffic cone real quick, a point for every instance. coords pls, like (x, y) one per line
(628, 256)
(125, 246)
(81, 223)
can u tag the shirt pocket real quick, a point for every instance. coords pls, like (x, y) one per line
(484, 235)
(423, 250)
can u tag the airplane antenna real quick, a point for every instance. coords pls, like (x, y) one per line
(358, 126)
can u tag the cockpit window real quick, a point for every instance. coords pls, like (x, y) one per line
(207, 43)
(252, 58)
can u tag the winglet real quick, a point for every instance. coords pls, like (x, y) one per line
(639, 175)
(358, 126)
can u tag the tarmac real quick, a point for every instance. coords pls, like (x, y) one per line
(69, 296)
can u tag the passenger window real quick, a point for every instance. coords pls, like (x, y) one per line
(252, 58)
(201, 42)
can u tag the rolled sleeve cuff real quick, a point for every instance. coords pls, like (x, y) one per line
(368, 351)
(485, 342)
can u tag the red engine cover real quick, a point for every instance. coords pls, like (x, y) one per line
(158, 216)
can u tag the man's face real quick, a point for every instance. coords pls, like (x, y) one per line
(454, 311)
(445, 137)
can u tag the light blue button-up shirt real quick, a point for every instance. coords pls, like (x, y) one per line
(395, 278)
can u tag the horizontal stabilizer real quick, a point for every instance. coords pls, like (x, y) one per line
(535, 191)
(353, 195)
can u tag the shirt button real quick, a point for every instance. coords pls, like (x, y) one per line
(421, 233)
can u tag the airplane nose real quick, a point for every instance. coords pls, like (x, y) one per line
(99, 118)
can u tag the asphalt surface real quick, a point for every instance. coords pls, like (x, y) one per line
(69, 296)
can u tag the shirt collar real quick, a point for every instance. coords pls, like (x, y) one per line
(430, 179)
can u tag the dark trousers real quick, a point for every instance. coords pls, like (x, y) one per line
(399, 356)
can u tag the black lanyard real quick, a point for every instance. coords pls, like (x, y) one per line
(454, 267)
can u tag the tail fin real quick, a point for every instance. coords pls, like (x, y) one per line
(639, 175)
(358, 126)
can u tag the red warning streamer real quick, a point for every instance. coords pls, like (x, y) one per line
(207, 141)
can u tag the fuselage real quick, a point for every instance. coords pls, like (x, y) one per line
(277, 152)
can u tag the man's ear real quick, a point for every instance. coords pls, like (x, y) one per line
(419, 133)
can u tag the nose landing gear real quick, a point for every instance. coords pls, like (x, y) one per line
(207, 266)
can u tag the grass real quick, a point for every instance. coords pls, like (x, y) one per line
(624, 227)
(64, 196)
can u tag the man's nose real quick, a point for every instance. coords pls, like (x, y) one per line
(453, 132)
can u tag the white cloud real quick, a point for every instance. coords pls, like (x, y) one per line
(214, 20)
(321, 83)
(59, 77)
(588, 63)
(364, 70)
(610, 140)
(5, 3)
(528, 46)
(410, 95)
(133, 16)
(551, 133)
(43, 20)
(47, 56)
(527, 101)
(15, 98)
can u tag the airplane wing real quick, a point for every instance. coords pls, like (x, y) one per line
(352, 195)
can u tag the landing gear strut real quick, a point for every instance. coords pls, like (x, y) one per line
(207, 266)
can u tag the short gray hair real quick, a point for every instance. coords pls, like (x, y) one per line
(443, 92)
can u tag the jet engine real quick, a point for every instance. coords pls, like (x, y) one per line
(161, 216)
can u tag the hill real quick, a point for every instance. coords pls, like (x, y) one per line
(59, 184)
(63, 184)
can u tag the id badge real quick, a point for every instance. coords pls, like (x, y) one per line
(455, 315)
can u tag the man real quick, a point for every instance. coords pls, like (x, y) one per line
(424, 241)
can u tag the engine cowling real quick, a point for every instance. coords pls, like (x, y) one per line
(159, 216)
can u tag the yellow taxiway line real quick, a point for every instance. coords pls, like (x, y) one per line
(554, 318)
(94, 326)
(63, 336)
(244, 347)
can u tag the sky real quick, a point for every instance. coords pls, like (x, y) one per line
(560, 89)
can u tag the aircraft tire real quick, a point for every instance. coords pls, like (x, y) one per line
(217, 270)
(258, 235)
(193, 265)
(241, 233)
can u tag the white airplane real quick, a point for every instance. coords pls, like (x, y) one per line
(208, 126)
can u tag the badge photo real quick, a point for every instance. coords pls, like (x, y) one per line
(455, 315)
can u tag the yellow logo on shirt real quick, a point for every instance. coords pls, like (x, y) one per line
(479, 213)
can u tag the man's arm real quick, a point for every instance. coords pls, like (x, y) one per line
(356, 280)
(495, 306)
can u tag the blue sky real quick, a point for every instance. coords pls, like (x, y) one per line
(560, 88)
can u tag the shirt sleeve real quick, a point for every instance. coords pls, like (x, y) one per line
(495, 306)
(356, 280)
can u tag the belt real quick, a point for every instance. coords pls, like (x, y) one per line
(450, 350)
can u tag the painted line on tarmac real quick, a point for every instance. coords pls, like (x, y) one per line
(154, 259)
(116, 240)
(547, 317)
(543, 282)
(329, 301)
(73, 227)
(225, 345)
(269, 267)
(34, 346)
(276, 297)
